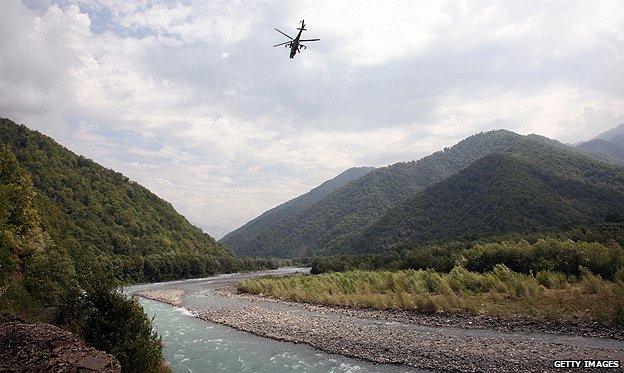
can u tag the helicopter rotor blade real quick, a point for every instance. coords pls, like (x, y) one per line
(309, 40)
(283, 33)
(286, 42)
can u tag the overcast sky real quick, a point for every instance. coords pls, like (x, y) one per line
(189, 98)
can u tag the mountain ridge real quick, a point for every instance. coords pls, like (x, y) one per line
(342, 215)
(497, 194)
(608, 151)
(244, 234)
(99, 214)
(611, 133)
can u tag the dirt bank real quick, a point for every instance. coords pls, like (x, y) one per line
(42, 347)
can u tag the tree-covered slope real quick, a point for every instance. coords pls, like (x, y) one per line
(619, 139)
(240, 238)
(98, 214)
(607, 151)
(340, 217)
(500, 194)
(613, 133)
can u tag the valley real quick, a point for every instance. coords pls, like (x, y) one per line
(419, 186)
(508, 245)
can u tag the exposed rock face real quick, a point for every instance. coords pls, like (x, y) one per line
(46, 348)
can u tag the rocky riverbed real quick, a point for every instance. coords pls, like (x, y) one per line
(170, 296)
(439, 342)
(574, 327)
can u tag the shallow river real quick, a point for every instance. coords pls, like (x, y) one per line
(194, 345)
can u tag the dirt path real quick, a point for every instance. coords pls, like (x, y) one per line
(390, 337)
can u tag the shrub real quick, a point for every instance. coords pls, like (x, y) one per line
(551, 280)
(118, 325)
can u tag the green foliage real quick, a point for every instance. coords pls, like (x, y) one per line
(567, 257)
(529, 255)
(33, 272)
(95, 212)
(37, 273)
(540, 185)
(116, 324)
(50, 277)
(608, 151)
(501, 194)
(240, 239)
(499, 292)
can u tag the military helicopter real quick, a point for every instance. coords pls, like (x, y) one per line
(295, 44)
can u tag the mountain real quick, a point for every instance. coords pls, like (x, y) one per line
(240, 238)
(607, 146)
(619, 139)
(339, 218)
(612, 133)
(40, 281)
(499, 194)
(100, 216)
(608, 151)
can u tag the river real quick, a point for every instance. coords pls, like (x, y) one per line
(195, 345)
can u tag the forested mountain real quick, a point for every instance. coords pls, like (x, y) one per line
(99, 216)
(619, 139)
(501, 194)
(40, 281)
(240, 238)
(338, 219)
(616, 133)
(607, 151)
(607, 146)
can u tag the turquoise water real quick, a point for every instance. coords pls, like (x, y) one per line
(194, 345)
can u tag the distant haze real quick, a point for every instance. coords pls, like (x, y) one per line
(189, 99)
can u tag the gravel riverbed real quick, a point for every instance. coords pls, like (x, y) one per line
(441, 343)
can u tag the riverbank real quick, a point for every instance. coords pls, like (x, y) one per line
(501, 293)
(572, 327)
(424, 342)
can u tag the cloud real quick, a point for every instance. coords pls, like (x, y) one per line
(190, 99)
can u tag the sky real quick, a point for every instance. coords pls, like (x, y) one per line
(189, 98)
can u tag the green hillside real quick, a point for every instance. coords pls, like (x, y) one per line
(501, 194)
(39, 281)
(338, 219)
(239, 239)
(100, 216)
(607, 151)
(619, 139)
(613, 133)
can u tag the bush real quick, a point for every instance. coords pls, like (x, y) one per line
(553, 255)
(551, 280)
(118, 325)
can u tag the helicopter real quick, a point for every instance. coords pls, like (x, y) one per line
(295, 43)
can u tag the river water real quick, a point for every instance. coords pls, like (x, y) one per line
(194, 345)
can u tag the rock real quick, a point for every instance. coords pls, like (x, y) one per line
(43, 347)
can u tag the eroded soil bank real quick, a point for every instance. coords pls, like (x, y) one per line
(39, 347)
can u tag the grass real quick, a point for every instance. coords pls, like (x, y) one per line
(500, 292)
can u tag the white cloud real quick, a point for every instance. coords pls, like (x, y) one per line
(189, 99)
